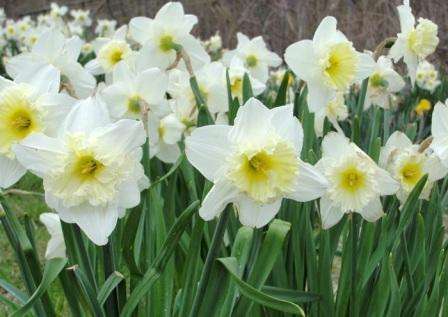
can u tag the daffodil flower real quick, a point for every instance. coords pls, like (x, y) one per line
(28, 106)
(328, 63)
(91, 172)
(211, 80)
(439, 131)
(56, 244)
(159, 36)
(255, 55)
(383, 82)
(427, 76)
(356, 182)
(53, 49)
(131, 91)
(335, 111)
(110, 52)
(407, 164)
(236, 76)
(254, 164)
(415, 42)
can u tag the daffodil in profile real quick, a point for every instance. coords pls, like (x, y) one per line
(161, 36)
(28, 106)
(355, 181)
(255, 55)
(91, 172)
(383, 82)
(439, 131)
(408, 163)
(415, 42)
(335, 111)
(236, 76)
(253, 164)
(327, 63)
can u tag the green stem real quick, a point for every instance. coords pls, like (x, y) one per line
(354, 236)
(211, 256)
(85, 259)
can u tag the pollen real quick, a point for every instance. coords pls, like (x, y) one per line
(352, 179)
(341, 65)
(266, 174)
(251, 61)
(112, 53)
(166, 43)
(411, 172)
(134, 105)
(86, 167)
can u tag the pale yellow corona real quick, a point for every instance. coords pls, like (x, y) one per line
(112, 53)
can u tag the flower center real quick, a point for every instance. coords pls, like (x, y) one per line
(166, 43)
(251, 61)
(341, 65)
(266, 174)
(411, 172)
(236, 86)
(423, 39)
(377, 81)
(112, 53)
(134, 105)
(352, 179)
(87, 167)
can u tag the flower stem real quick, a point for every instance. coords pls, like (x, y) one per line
(211, 256)
(111, 305)
(354, 238)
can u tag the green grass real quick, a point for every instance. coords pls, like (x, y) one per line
(32, 206)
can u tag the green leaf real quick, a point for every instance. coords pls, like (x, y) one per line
(52, 269)
(109, 285)
(291, 295)
(282, 93)
(170, 172)
(13, 291)
(231, 264)
(247, 88)
(269, 252)
(153, 273)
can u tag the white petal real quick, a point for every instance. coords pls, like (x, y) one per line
(326, 28)
(318, 96)
(366, 66)
(199, 56)
(407, 20)
(221, 194)
(39, 153)
(254, 215)
(57, 107)
(329, 213)
(386, 184)
(207, 149)
(128, 194)
(11, 171)
(50, 44)
(56, 244)
(81, 80)
(335, 145)
(45, 77)
(287, 126)
(139, 29)
(152, 85)
(373, 210)
(168, 153)
(95, 221)
(252, 122)
(302, 60)
(434, 168)
(311, 184)
(121, 137)
(439, 127)
(87, 115)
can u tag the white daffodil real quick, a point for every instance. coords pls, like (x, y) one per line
(427, 76)
(110, 52)
(164, 133)
(10, 30)
(56, 244)
(356, 182)
(328, 63)
(255, 55)
(335, 111)
(159, 36)
(439, 131)
(27, 106)
(236, 76)
(57, 11)
(407, 164)
(54, 50)
(254, 164)
(415, 42)
(105, 28)
(382, 83)
(81, 17)
(212, 83)
(130, 91)
(91, 172)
